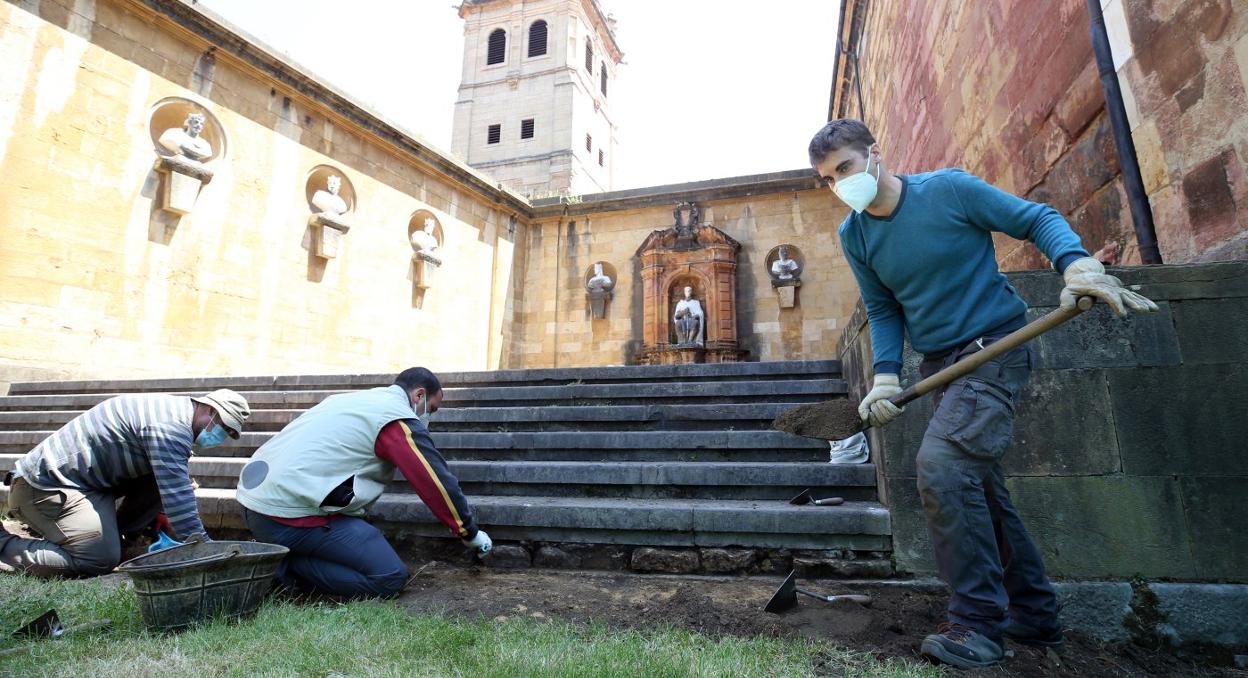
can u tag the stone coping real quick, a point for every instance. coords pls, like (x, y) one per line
(669, 194)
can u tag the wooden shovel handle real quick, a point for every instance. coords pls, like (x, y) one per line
(1007, 343)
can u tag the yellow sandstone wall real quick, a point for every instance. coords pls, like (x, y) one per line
(554, 327)
(95, 282)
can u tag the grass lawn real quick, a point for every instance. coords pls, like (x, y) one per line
(373, 638)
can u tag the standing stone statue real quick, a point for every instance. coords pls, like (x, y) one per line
(424, 242)
(599, 282)
(329, 202)
(690, 320)
(784, 268)
(186, 140)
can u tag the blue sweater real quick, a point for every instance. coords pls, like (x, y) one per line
(930, 269)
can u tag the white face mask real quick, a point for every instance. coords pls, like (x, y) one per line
(423, 414)
(858, 190)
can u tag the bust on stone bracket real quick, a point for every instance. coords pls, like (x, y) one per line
(599, 284)
(784, 265)
(330, 206)
(427, 258)
(183, 151)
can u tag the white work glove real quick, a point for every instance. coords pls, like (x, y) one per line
(1086, 277)
(875, 409)
(481, 543)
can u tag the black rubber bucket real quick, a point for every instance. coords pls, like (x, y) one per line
(186, 584)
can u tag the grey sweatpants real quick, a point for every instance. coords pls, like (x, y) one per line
(81, 530)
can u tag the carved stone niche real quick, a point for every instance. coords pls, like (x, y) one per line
(784, 264)
(704, 259)
(599, 283)
(187, 140)
(424, 234)
(331, 197)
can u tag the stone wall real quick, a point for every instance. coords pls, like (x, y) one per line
(554, 327)
(96, 281)
(1010, 91)
(1130, 452)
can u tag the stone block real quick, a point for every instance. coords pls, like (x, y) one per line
(727, 560)
(832, 566)
(1202, 614)
(671, 561)
(599, 556)
(1213, 331)
(1064, 426)
(1099, 339)
(556, 558)
(1096, 609)
(912, 546)
(1107, 526)
(1181, 420)
(508, 556)
(1207, 191)
(1216, 515)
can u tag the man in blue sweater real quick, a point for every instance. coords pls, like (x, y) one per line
(920, 247)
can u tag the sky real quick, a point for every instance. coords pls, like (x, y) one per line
(708, 88)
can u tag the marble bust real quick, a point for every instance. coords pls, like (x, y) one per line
(690, 320)
(186, 141)
(599, 282)
(784, 268)
(423, 239)
(328, 202)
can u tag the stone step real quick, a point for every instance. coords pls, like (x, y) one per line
(859, 526)
(723, 392)
(551, 418)
(791, 369)
(738, 446)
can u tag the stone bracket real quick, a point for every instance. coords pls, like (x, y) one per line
(598, 302)
(786, 291)
(426, 269)
(327, 233)
(182, 178)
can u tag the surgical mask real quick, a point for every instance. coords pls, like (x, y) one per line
(423, 415)
(211, 437)
(858, 190)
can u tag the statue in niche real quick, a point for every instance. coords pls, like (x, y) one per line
(329, 202)
(186, 141)
(690, 320)
(599, 282)
(784, 268)
(425, 242)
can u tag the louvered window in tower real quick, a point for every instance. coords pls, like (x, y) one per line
(589, 57)
(494, 134)
(589, 143)
(600, 157)
(603, 76)
(526, 129)
(537, 38)
(497, 47)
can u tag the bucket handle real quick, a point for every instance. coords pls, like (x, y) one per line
(215, 558)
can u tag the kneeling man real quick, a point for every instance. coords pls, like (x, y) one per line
(308, 487)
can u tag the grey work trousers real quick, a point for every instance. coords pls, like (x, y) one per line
(983, 551)
(81, 530)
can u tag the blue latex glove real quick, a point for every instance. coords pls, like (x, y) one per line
(163, 541)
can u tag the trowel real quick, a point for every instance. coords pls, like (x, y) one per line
(785, 597)
(48, 625)
(805, 498)
(838, 419)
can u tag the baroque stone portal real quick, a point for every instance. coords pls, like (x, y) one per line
(689, 293)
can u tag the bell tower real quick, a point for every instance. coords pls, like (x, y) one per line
(534, 97)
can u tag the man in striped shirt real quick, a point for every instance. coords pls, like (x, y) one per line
(132, 448)
(309, 487)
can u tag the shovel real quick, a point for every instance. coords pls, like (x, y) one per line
(838, 419)
(785, 597)
(805, 498)
(48, 625)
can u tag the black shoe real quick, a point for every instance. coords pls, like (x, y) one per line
(962, 646)
(1031, 635)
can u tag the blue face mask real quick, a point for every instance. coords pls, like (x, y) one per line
(211, 437)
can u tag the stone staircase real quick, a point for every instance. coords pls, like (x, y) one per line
(588, 464)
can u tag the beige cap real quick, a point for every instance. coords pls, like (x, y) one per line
(230, 405)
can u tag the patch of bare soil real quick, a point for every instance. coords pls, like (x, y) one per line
(892, 626)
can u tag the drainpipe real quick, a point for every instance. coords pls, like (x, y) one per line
(1137, 198)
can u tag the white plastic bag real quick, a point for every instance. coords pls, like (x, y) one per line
(852, 450)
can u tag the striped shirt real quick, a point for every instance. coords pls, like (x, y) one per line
(121, 439)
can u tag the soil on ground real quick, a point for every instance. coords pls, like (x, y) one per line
(829, 420)
(893, 626)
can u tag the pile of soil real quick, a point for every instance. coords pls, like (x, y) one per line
(892, 626)
(828, 420)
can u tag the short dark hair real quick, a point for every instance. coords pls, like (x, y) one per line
(418, 377)
(838, 134)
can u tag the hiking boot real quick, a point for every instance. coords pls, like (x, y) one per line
(962, 646)
(1027, 634)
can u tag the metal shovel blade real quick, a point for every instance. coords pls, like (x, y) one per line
(45, 625)
(785, 597)
(805, 498)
